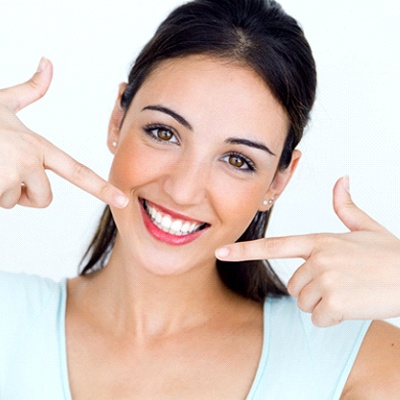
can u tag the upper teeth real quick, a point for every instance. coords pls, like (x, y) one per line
(170, 225)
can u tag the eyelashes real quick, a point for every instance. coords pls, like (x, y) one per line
(240, 161)
(164, 134)
(161, 133)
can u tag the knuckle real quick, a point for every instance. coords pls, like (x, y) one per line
(333, 307)
(317, 320)
(293, 287)
(29, 150)
(79, 171)
(238, 250)
(272, 245)
(7, 205)
(32, 139)
(35, 141)
(105, 190)
(10, 180)
(45, 200)
(31, 163)
(8, 201)
(327, 280)
(302, 304)
(321, 260)
(337, 207)
(324, 239)
(293, 291)
(39, 90)
(323, 318)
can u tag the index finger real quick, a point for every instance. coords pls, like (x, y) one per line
(299, 246)
(83, 177)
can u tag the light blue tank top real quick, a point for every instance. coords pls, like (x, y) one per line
(298, 361)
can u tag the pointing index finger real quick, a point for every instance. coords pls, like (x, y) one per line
(299, 246)
(83, 177)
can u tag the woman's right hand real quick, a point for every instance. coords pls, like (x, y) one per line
(24, 155)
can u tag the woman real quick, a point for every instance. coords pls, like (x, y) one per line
(203, 137)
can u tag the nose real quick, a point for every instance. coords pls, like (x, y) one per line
(186, 181)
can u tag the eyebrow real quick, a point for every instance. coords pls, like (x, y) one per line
(250, 143)
(182, 121)
(171, 113)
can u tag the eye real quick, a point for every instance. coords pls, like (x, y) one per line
(164, 134)
(236, 161)
(161, 133)
(240, 162)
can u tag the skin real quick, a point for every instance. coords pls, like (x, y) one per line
(23, 179)
(163, 315)
(355, 275)
(164, 303)
(191, 178)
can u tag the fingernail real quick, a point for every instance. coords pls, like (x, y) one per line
(346, 183)
(222, 252)
(42, 64)
(121, 201)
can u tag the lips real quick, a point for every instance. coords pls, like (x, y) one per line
(169, 226)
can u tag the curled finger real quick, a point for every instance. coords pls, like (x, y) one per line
(324, 315)
(309, 297)
(301, 277)
(10, 197)
(36, 191)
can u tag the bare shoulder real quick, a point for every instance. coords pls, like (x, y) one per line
(376, 371)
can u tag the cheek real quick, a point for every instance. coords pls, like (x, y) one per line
(239, 203)
(132, 166)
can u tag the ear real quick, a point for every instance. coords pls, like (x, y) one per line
(281, 179)
(117, 116)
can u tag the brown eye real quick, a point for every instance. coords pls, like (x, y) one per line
(239, 162)
(236, 161)
(164, 134)
(161, 134)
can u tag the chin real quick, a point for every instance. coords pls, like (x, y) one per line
(170, 263)
(165, 269)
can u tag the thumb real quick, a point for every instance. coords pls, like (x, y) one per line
(19, 96)
(353, 217)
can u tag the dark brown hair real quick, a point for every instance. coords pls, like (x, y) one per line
(255, 33)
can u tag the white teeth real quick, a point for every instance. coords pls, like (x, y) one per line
(185, 227)
(176, 226)
(168, 224)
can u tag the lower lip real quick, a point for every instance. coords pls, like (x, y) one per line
(165, 237)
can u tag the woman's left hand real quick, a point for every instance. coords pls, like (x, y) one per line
(354, 275)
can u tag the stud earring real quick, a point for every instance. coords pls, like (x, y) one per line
(114, 143)
(269, 202)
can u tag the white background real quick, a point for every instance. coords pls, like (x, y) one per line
(354, 128)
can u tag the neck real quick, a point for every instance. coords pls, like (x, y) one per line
(134, 300)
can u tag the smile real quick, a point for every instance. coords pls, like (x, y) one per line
(171, 225)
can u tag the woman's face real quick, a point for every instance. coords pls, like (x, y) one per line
(197, 154)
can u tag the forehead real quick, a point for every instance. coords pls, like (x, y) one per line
(213, 93)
